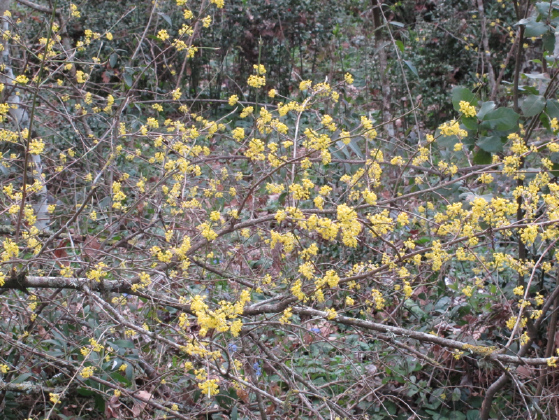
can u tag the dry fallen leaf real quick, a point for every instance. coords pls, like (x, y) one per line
(140, 405)
(91, 247)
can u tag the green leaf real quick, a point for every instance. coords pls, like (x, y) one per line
(85, 392)
(501, 119)
(167, 19)
(548, 42)
(485, 108)
(533, 28)
(125, 344)
(490, 144)
(460, 93)
(128, 79)
(22, 377)
(447, 141)
(456, 395)
(532, 105)
(99, 402)
(411, 67)
(121, 378)
(543, 8)
(400, 45)
(472, 415)
(470, 123)
(355, 148)
(113, 59)
(552, 108)
(481, 157)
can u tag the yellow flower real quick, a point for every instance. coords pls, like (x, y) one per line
(256, 81)
(36, 146)
(305, 84)
(81, 77)
(287, 314)
(467, 109)
(348, 78)
(233, 99)
(21, 79)
(74, 11)
(259, 69)
(331, 313)
(163, 35)
(207, 21)
(87, 372)
(209, 387)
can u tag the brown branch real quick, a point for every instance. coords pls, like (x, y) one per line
(38, 7)
(88, 287)
(28, 388)
(486, 352)
(71, 368)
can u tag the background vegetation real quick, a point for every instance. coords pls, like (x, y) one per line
(279, 209)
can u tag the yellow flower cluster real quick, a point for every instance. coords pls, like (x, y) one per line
(87, 372)
(349, 224)
(209, 388)
(206, 231)
(452, 128)
(118, 195)
(255, 149)
(256, 81)
(98, 272)
(467, 109)
(287, 314)
(218, 319)
(11, 250)
(36, 146)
